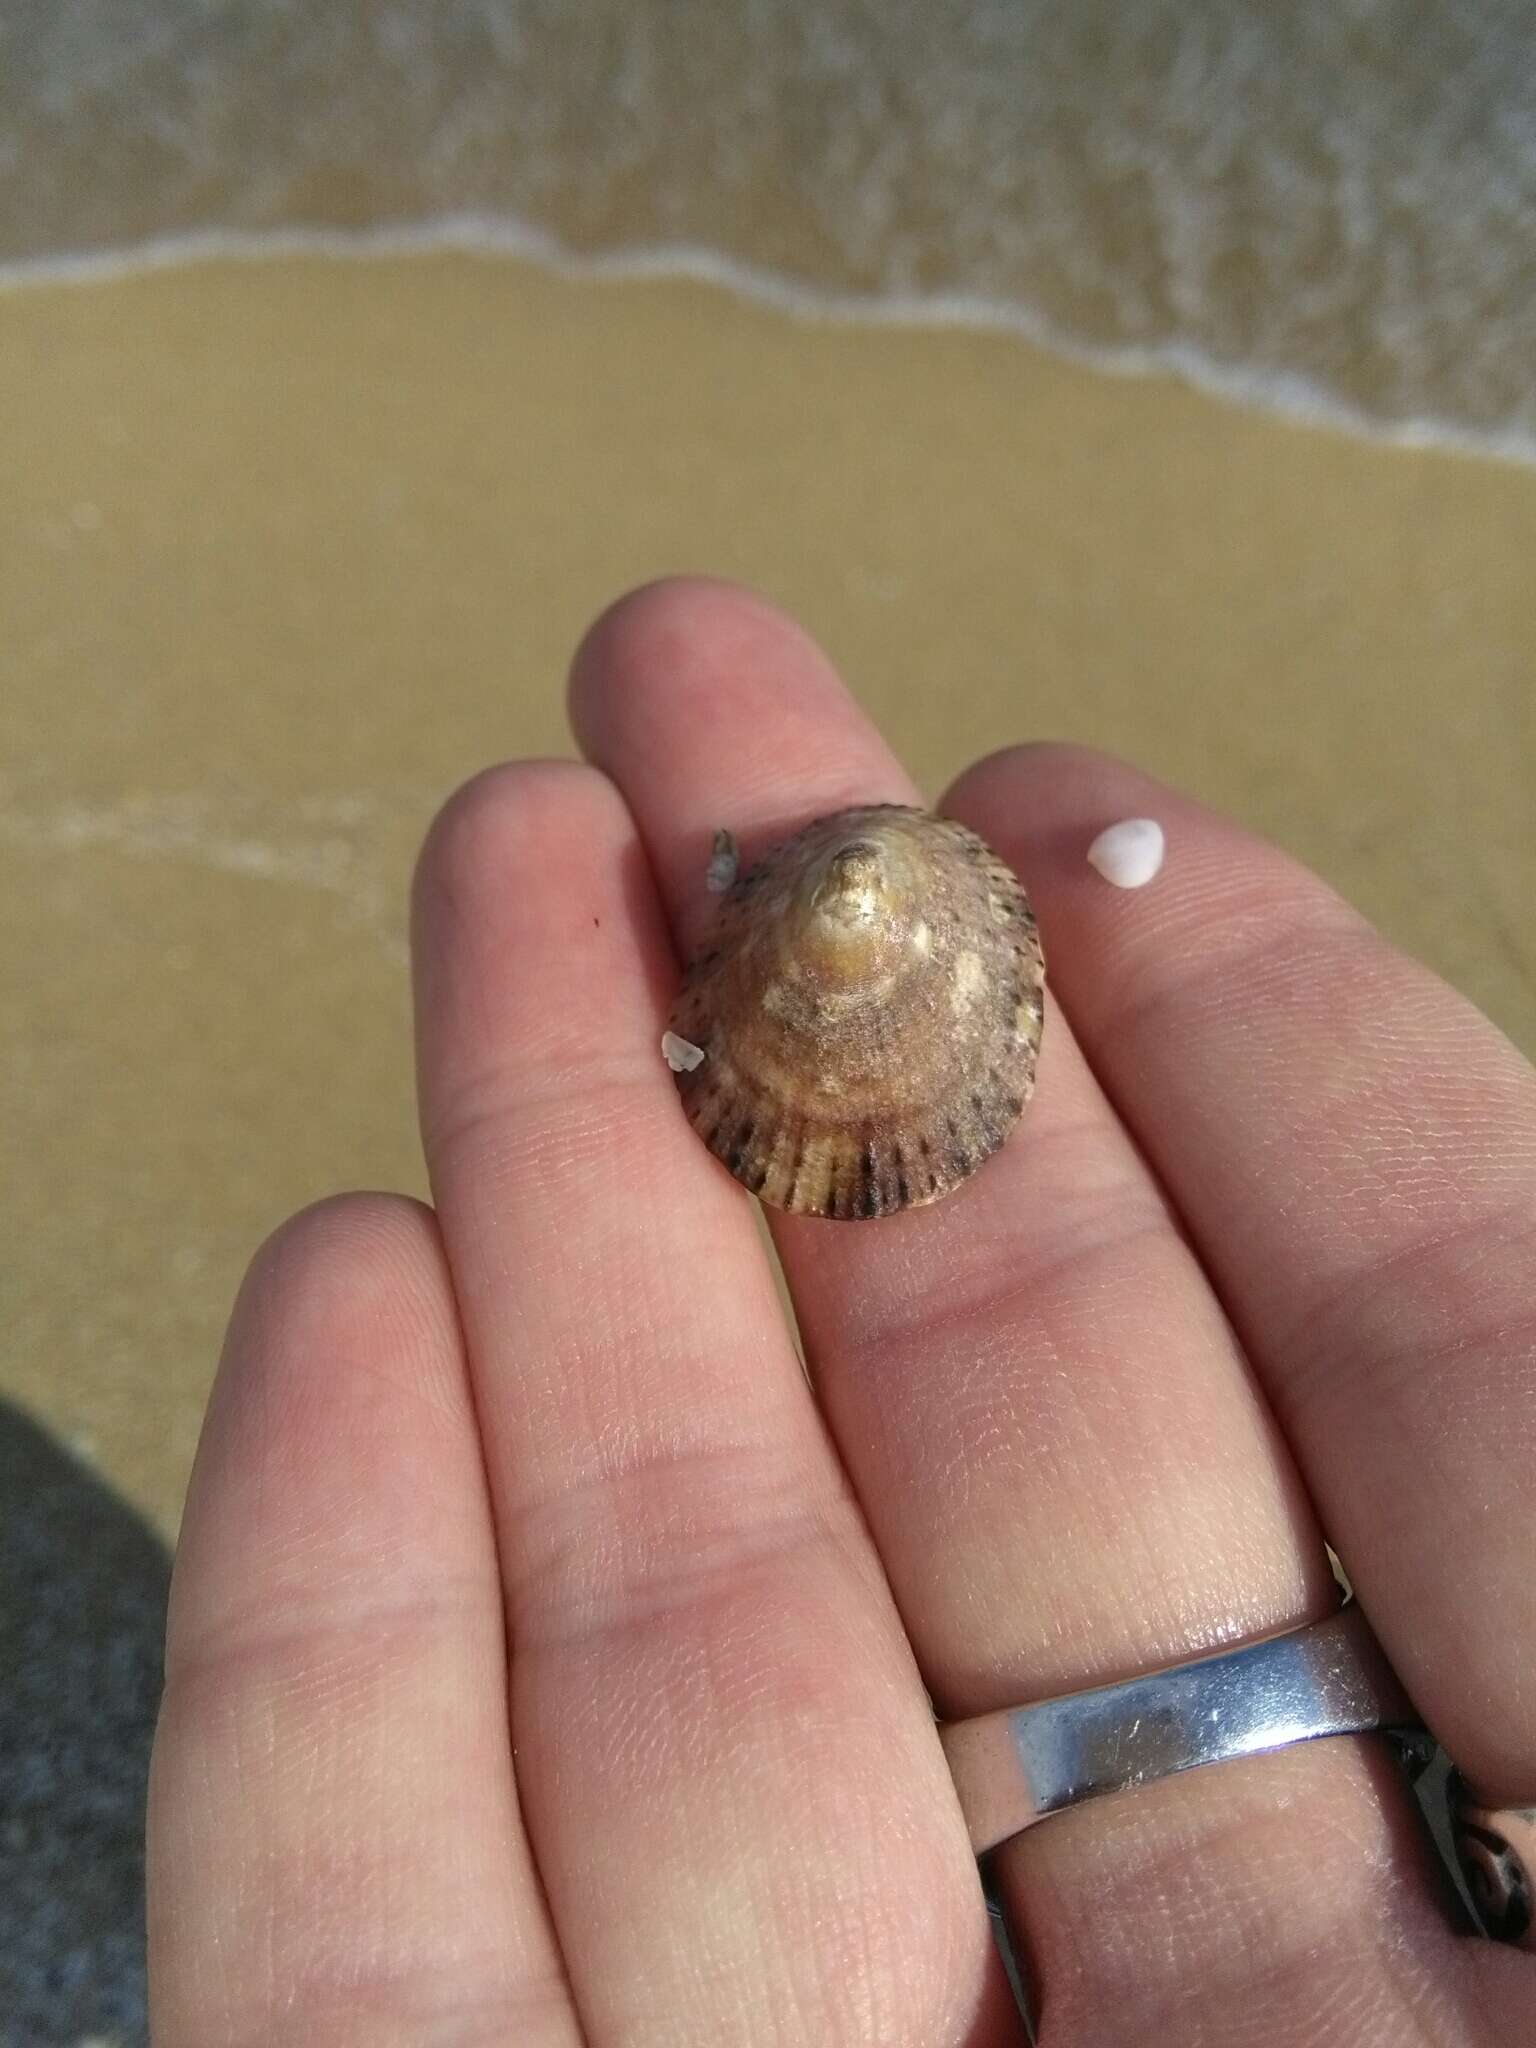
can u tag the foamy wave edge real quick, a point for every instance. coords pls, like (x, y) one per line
(1289, 396)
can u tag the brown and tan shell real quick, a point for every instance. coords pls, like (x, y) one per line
(869, 1011)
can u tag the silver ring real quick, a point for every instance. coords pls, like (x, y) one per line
(1013, 1768)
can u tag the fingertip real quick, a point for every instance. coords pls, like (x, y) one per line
(343, 1285)
(653, 612)
(512, 811)
(341, 1406)
(688, 648)
(359, 1254)
(1059, 779)
(559, 828)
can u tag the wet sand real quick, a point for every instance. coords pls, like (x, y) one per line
(288, 548)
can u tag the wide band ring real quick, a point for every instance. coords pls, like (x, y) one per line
(1013, 1768)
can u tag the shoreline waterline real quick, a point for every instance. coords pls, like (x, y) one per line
(1284, 395)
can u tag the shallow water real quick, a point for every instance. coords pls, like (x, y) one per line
(1325, 206)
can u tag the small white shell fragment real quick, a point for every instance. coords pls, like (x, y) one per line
(723, 862)
(679, 1054)
(1129, 854)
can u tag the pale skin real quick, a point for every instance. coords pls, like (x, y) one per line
(549, 1664)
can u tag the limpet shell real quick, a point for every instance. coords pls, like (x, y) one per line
(869, 1010)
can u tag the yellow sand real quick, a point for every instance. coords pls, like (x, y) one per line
(287, 549)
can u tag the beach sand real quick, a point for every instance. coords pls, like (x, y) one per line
(288, 548)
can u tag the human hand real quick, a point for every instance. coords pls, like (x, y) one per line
(546, 1665)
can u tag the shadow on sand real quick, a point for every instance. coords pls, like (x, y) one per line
(83, 1584)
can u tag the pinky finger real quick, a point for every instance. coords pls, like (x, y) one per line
(335, 1850)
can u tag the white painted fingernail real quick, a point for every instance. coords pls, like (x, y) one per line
(1129, 854)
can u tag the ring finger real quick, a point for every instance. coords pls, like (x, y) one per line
(728, 1776)
(1062, 1458)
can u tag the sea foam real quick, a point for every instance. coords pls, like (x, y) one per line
(1325, 208)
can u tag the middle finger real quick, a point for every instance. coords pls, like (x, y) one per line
(1063, 1460)
(1003, 1356)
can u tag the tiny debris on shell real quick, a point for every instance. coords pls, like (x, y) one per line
(679, 1055)
(870, 1005)
(1128, 854)
(723, 863)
